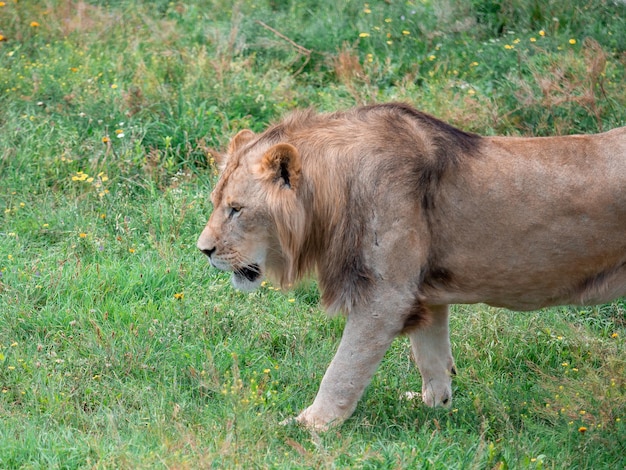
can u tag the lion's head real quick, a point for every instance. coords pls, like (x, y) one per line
(257, 222)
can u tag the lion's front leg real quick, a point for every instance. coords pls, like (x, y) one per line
(363, 345)
(433, 355)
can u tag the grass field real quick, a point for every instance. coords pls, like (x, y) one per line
(121, 348)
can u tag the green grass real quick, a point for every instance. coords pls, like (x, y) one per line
(121, 348)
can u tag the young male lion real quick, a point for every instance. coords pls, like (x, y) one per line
(400, 214)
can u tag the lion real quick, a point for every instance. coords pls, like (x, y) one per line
(399, 215)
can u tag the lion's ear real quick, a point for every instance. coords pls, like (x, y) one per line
(282, 164)
(241, 139)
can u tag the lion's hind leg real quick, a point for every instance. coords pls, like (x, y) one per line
(432, 352)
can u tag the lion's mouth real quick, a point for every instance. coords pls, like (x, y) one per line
(251, 273)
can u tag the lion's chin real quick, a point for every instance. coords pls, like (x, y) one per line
(247, 278)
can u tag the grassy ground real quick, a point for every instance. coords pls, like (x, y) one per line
(121, 348)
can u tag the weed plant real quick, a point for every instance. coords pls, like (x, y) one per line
(121, 348)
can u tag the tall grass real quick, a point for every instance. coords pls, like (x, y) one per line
(121, 348)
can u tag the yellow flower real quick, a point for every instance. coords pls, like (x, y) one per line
(582, 429)
(80, 176)
(34, 24)
(614, 335)
(82, 235)
(114, 86)
(2, 4)
(509, 47)
(533, 39)
(131, 250)
(179, 296)
(364, 35)
(2, 38)
(432, 57)
(106, 139)
(542, 33)
(406, 33)
(367, 10)
(572, 41)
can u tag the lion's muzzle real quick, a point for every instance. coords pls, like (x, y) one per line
(245, 277)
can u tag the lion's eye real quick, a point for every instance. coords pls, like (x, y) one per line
(234, 211)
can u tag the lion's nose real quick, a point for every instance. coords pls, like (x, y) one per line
(205, 246)
(208, 251)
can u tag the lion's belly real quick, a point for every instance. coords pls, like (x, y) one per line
(600, 289)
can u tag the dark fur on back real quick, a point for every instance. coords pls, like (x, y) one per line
(447, 146)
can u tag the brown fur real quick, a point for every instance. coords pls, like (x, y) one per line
(399, 214)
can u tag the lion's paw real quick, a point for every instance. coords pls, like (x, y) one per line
(311, 421)
(437, 394)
